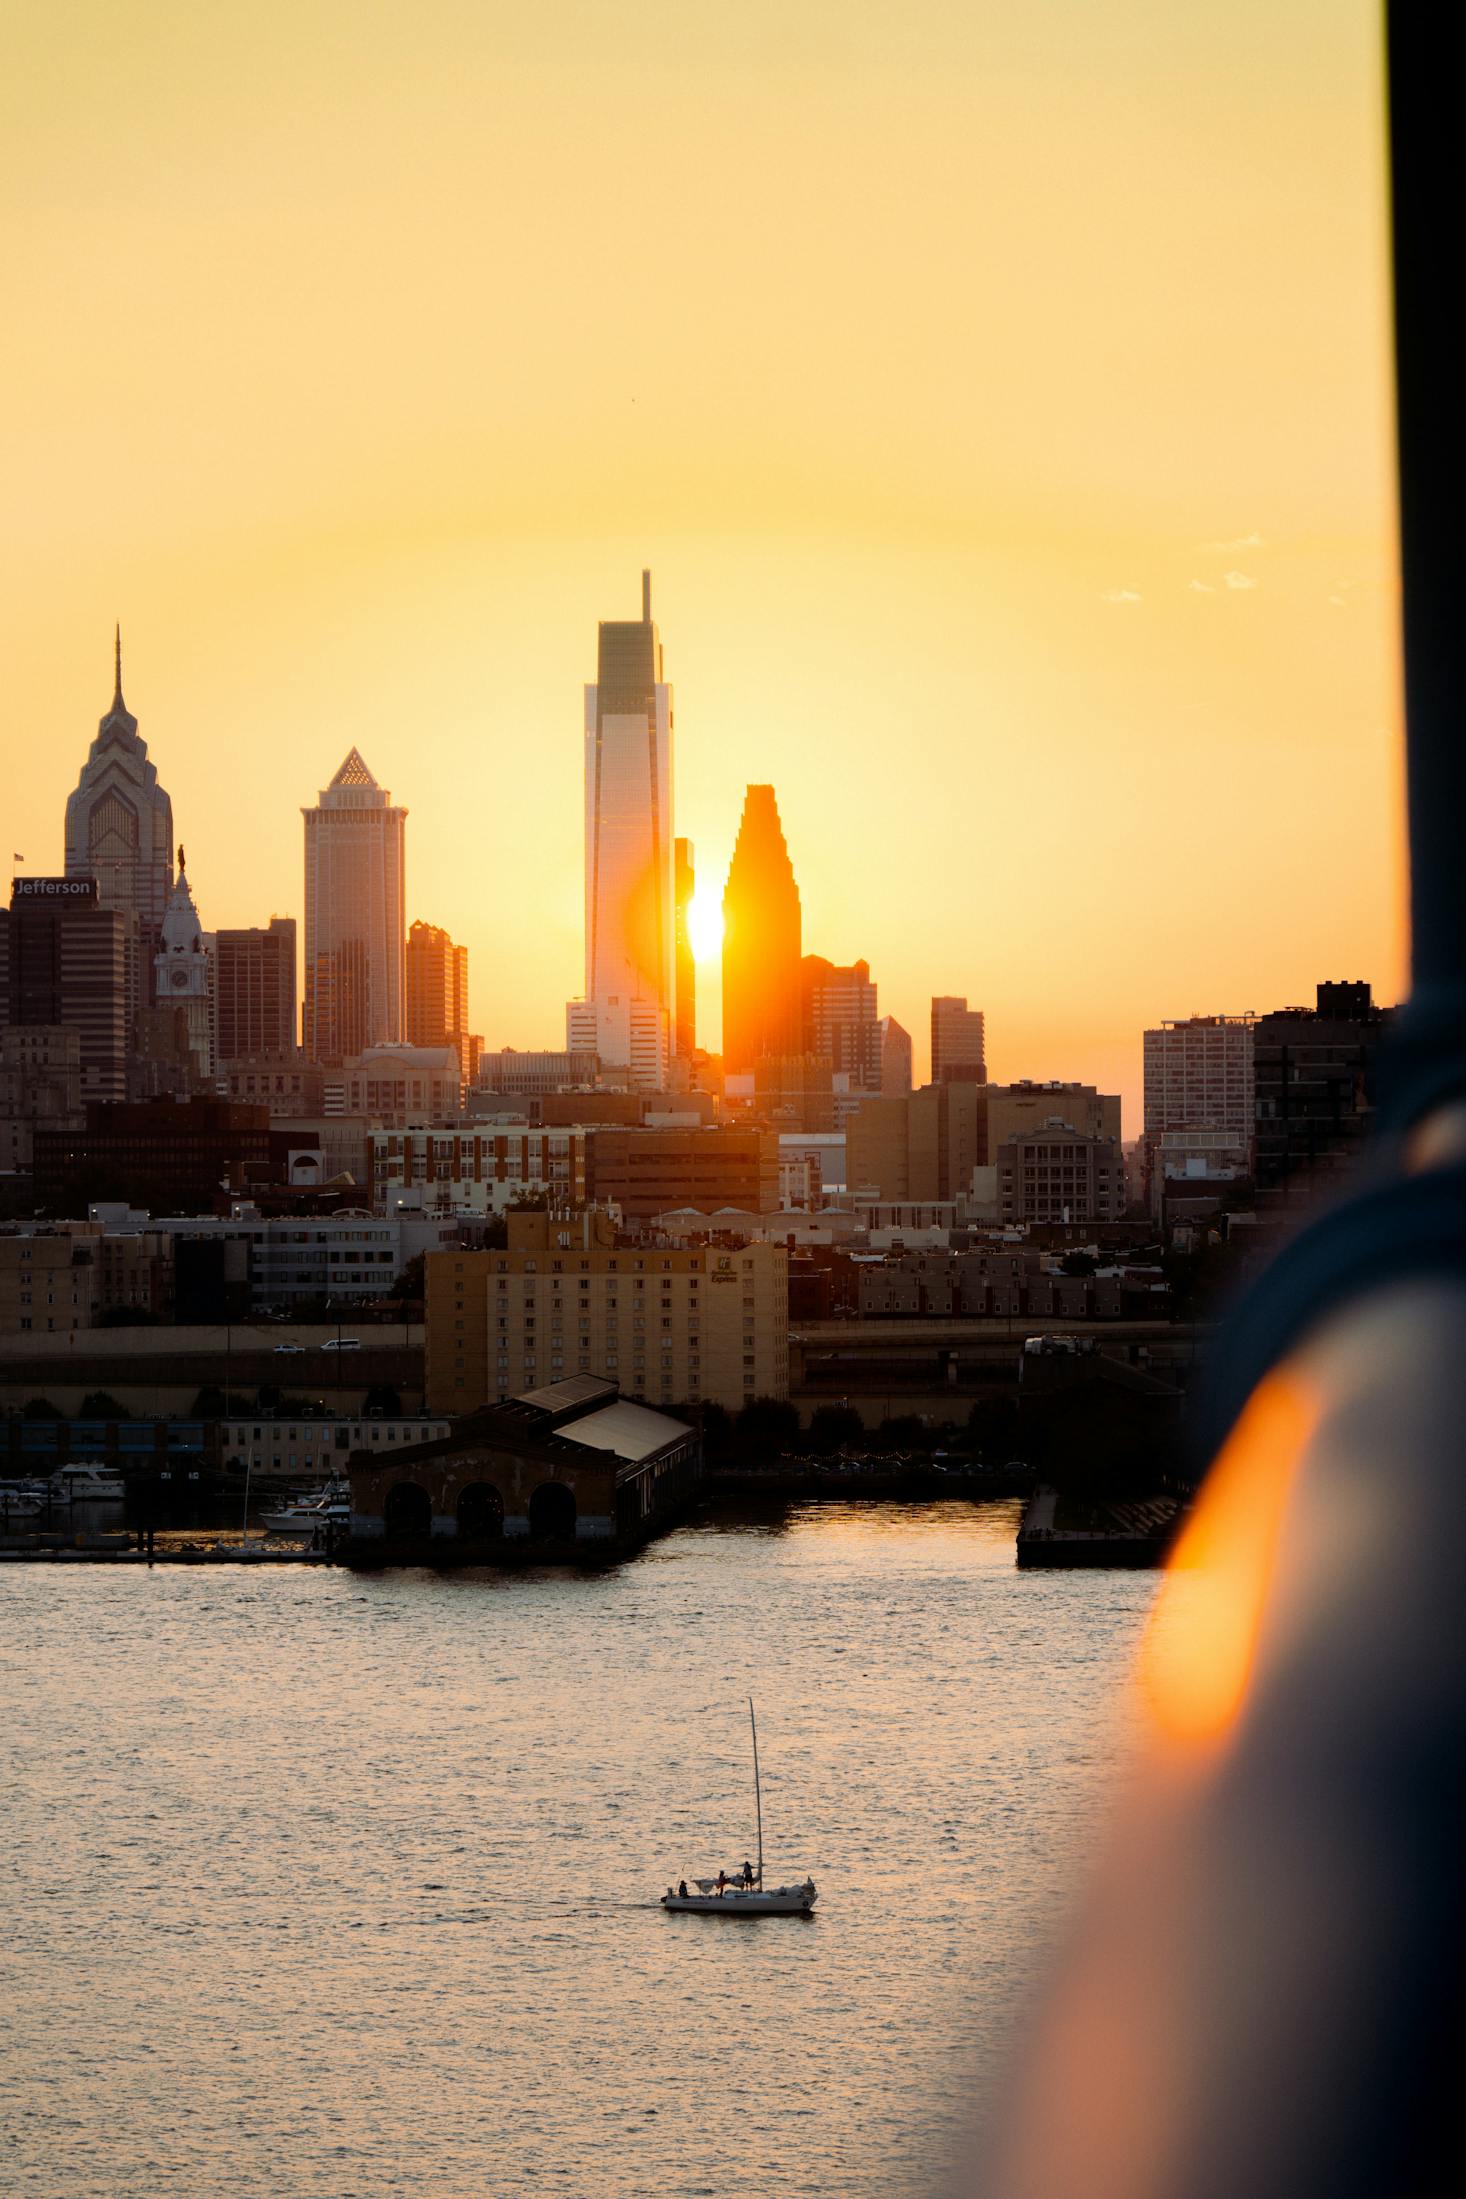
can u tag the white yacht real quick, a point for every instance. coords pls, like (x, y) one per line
(24, 1499)
(743, 1892)
(89, 1485)
(304, 1517)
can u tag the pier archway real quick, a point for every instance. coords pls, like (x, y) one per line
(552, 1513)
(407, 1515)
(480, 1513)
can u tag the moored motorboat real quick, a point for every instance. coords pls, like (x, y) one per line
(88, 1485)
(304, 1519)
(24, 1499)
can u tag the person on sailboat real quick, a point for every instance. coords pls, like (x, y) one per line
(722, 1882)
(682, 1889)
(747, 1872)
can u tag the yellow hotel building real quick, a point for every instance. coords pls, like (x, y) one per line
(670, 1326)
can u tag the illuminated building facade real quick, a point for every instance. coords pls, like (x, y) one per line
(684, 885)
(761, 941)
(959, 1052)
(627, 1012)
(437, 993)
(355, 916)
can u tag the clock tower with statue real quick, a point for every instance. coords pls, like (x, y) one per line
(182, 975)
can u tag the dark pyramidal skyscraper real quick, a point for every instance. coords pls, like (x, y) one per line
(761, 941)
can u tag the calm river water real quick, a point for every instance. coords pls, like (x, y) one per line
(320, 1885)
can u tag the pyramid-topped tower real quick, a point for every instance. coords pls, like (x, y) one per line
(355, 916)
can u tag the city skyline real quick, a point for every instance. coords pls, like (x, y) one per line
(1072, 507)
(118, 729)
(860, 1273)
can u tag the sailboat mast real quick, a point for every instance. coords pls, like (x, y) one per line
(758, 1800)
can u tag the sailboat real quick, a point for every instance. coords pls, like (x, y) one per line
(743, 1892)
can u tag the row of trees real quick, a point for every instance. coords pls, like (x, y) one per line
(210, 1404)
(767, 1427)
(1090, 1438)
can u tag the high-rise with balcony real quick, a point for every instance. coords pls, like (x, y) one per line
(437, 992)
(355, 916)
(1199, 1075)
(626, 1014)
(762, 1004)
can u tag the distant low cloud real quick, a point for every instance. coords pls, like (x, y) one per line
(1202, 587)
(1239, 580)
(1121, 595)
(1225, 549)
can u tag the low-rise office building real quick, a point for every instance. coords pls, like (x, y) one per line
(922, 1147)
(350, 1256)
(391, 1084)
(276, 1443)
(1011, 1109)
(1053, 1173)
(40, 1088)
(287, 1085)
(648, 1172)
(49, 1284)
(477, 1171)
(177, 1156)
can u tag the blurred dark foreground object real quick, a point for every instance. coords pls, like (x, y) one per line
(1262, 1997)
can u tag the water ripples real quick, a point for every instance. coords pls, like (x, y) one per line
(348, 1888)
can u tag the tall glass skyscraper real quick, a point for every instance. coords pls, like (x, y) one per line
(626, 1015)
(355, 916)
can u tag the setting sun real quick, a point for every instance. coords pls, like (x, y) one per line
(705, 925)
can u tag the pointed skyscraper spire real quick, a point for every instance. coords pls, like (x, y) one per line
(761, 940)
(117, 702)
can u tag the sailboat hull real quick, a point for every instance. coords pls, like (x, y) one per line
(778, 1901)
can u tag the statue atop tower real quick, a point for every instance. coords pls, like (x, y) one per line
(176, 1035)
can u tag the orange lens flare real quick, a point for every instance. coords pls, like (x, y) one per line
(1201, 1646)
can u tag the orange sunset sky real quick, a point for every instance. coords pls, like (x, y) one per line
(1000, 396)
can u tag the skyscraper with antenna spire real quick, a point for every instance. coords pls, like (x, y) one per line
(626, 1015)
(119, 830)
(119, 821)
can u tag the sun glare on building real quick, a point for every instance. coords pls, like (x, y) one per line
(705, 926)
